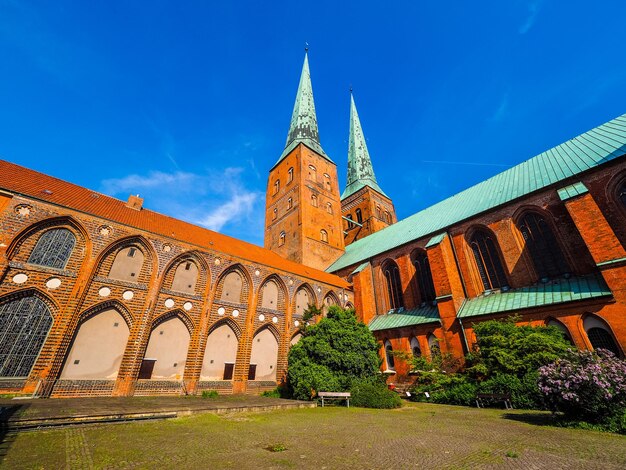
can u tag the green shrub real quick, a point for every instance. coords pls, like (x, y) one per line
(373, 393)
(210, 394)
(279, 392)
(331, 354)
(524, 392)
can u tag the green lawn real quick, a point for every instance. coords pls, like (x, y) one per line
(417, 435)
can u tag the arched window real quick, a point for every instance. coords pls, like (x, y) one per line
(350, 223)
(542, 246)
(487, 260)
(313, 173)
(329, 208)
(433, 345)
(275, 214)
(24, 325)
(387, 217)
(394, 286)
(313, 200)
(289, 203)
(324, 236)
(281, 239)
(599, 335)
(359, 216)
(53, 249)
(389, 356)
(424, 278)
(415, 347)
(378, 212)
(276, 186)
(327, 181)
(562, 328)
(290, 175)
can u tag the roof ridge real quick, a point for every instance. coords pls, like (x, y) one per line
(568, 156)
(147, 220)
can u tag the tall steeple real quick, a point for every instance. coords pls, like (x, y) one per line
(303, 128)
(360, 169)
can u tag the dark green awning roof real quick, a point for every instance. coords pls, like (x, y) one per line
(416, 316)
(540, 295)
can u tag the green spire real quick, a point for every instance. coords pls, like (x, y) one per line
(303, 128)
(360, 170)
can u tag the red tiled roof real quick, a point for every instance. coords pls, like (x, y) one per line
(21, 180)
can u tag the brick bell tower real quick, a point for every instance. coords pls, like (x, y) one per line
(302, 208)
(362, 201)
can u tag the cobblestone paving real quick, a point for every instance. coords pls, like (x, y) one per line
(416, 436)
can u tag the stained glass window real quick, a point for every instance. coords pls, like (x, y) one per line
(24, 325)
(53, 249)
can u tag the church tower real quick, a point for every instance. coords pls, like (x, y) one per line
(302, 205)
(362, 201)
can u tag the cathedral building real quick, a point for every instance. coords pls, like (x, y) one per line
(102, 297)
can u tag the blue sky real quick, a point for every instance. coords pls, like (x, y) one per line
(188, 103)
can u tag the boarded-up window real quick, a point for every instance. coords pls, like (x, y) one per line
(185, 277)
(270, 295)
(127, 264)
(232, 288)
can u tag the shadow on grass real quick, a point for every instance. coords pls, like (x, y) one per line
(534, 418)
(6, 436)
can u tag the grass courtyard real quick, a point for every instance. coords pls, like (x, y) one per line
(417, 435)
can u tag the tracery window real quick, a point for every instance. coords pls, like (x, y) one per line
(53, 249)
(24, 325)
(394, 286)
(423, 277)
(487, 260)
(599, 334)
(391, 365)
(542, 246)
(415, 347)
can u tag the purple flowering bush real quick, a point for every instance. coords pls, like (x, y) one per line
(588, 386)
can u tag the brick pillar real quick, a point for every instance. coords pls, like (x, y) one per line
(449, 291)
(364, 296)
(197, 345)
(242, 363)
(607, 252)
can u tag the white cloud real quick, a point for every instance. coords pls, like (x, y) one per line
(218, 199)
(533, 10)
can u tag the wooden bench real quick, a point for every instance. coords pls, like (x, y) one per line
(334, 396)
(505, 398)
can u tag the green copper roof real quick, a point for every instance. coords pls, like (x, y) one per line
(436, 240)
(572, 190)
(303, 128)
(416, 316)
(360, 170)
(589, 150)
(554, 292)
